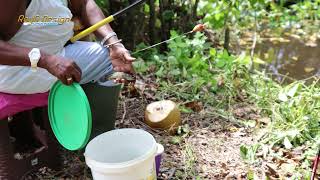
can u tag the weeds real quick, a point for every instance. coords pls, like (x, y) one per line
(192, 71)
(189, 159)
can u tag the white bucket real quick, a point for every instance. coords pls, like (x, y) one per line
(123, 154)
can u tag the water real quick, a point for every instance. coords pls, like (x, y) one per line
(293, 58)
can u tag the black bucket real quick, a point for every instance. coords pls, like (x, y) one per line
(103, 98)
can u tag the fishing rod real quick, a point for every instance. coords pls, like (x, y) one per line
(82, 34)
(105, 21)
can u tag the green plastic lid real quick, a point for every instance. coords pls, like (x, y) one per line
(70, 115)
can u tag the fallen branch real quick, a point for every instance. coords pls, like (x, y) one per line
(124, 111)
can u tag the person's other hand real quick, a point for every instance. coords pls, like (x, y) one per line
(121, 59)
(64, 69)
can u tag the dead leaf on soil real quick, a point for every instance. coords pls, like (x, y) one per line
(194, 105)
(271, 170)
(287, 169)
(264, 120)
(309, 69)
(140, 85)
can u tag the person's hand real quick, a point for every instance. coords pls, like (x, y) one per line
(121, 59)
(64, 69)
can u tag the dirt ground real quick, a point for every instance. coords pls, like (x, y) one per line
(209, 150)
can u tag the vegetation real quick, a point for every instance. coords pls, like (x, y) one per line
(205, 70)
(192, 71)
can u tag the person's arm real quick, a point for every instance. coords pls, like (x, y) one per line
(13, 55)
(89, 13)
(60, 67)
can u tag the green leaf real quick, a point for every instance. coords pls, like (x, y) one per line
(243, 152)
(175, 72)
(146, 8)
(168, 14)
(186, 128)
(185, 109)
(158, 23)
(220, 63)
(258, 61)
(156, 58)
(160, 71)
(140, 66)
(283, 96)
(248, 153)
(292, 91)
(287, 144)
(250, 175)
(175, 140)
(184, 72)
(213, 52)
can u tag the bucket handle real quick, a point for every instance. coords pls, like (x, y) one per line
(160, 149)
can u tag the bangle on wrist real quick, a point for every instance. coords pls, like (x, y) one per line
(107, 37)
(112, 44)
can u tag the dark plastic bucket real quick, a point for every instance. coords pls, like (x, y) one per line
(103, 98)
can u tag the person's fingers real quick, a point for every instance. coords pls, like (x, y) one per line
(77, 67)
(63, 80)
(71, 70)
(116, 68)
(130, 69)
(121, 69)
(128, 58)
(69, 79)
(76, 75)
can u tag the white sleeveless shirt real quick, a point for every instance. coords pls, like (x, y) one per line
(50, 38)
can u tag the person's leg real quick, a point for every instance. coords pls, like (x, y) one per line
(92, 58)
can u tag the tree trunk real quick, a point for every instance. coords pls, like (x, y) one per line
(226, 38)
(194, 10)
(152, 22)
(163, 23)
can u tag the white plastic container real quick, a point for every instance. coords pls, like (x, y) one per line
(122, 154)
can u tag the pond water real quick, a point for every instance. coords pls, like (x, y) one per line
(291, 57)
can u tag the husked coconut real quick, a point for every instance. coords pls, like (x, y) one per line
(163, 115)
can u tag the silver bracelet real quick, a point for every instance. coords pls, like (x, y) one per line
(112, 44)
(107, 37)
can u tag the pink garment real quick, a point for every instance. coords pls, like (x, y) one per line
(11, 104)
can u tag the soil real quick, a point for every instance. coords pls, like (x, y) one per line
(209, 150)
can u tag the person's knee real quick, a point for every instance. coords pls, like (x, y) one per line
(101, 57)
(100, 52)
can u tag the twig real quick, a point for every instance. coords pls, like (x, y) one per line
(172, 171)
(254, 40)
(282, 75)
(124, 110)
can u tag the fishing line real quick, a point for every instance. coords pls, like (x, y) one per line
(197, 28)
(162, 42)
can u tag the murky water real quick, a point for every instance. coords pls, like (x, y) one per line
(292, 58)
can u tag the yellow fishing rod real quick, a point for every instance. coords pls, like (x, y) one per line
(103, 22)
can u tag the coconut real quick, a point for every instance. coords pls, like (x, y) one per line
(163, 115)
